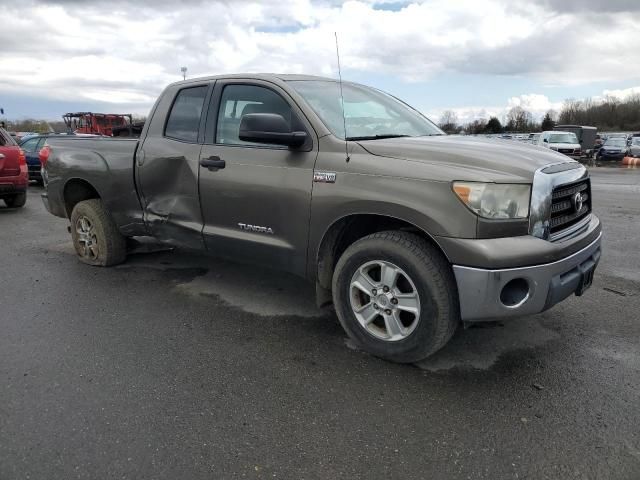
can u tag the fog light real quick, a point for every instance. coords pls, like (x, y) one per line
(515, 293)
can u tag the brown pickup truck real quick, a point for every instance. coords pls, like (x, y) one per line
(409, 232)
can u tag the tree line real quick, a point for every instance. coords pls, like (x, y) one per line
(609, 114)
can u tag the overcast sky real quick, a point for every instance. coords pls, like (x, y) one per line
(477, 57)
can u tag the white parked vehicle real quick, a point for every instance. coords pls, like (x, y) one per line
(562, 142)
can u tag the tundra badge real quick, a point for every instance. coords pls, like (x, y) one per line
(255, 228)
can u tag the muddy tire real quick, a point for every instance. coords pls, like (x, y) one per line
(396, 296)
(96, 238)
(16, 201)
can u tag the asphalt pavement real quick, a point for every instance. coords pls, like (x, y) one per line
(175, 366)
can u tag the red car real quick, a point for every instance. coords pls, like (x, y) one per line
(14, 176)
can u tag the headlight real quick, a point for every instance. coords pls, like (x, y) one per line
(495, 200)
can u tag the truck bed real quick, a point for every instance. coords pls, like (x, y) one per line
(104, 164)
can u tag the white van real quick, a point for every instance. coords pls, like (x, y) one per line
(563, 142)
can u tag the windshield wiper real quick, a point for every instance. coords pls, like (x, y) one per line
(378, 137)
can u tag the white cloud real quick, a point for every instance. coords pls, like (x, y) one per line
(128, 54)
(621, 94)
(534, 103)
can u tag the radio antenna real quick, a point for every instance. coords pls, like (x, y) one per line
(344, 118)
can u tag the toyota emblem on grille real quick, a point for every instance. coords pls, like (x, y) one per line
(577, 202)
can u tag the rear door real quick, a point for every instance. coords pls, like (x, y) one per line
(256, 208)
(9, 155)
(168, 165)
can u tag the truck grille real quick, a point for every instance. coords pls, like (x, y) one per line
(570, 151)
(567, 208)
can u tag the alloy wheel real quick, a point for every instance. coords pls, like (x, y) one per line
(384, 300)
(87, 240)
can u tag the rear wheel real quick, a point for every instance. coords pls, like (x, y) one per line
(395, 296)
(96, 237)
(16, 201)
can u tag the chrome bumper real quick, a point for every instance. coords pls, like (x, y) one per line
(481, 292)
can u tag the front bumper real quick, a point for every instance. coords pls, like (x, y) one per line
(611, 156)
(480, 290)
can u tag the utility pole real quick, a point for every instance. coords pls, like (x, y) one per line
(184, 72)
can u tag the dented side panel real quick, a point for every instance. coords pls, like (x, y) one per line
(167, 176)
(168, 179)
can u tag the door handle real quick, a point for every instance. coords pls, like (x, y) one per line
(1, 156)
(213, 163)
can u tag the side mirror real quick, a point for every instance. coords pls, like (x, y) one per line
(269, 128)
(545, 140)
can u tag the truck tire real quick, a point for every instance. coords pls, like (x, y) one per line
(16, 201)
(96, 237)
(396, 296)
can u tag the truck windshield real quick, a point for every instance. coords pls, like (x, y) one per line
(563, 138)
(368, 113)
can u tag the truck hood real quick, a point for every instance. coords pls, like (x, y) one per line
(469, 158)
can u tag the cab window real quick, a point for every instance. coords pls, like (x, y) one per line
(239, 100)
(184, 119)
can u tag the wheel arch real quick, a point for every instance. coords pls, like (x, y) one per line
(76, 190)
(346, 230)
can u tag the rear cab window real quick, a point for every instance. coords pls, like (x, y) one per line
(183, 121)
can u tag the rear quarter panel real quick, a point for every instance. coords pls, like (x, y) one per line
(107, 165)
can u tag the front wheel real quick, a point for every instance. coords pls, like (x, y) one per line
(395, 296)
(96, 237)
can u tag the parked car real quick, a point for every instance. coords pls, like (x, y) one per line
(406, 230)
(13, 172)
(533, 138)
(31, 147)
(586, 135)
(562, 142)
(634, 148)
(614, 148)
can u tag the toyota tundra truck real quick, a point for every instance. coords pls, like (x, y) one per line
(408, 232)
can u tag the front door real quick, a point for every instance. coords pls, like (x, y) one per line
(255, 198)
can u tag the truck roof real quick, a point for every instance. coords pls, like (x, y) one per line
(284, 77)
